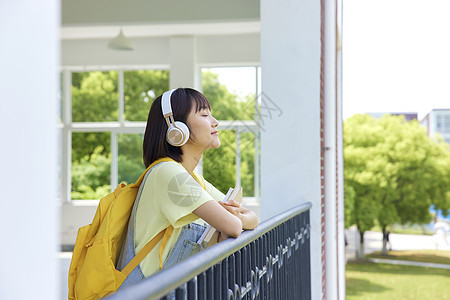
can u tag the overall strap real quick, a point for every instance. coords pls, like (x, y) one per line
(136, 260)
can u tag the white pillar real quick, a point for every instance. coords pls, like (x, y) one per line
(340, 160)
(184, 71)
(29, 58)
(290, 133)
(330, 149)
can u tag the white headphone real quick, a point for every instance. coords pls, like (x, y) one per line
(177, 133)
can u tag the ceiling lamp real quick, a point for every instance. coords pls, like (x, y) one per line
(120, 42)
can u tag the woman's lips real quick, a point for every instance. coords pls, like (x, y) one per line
(215, 133)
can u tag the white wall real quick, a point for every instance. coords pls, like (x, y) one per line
(95, 52)
(29, 57)
(239, 49)
(290, 143)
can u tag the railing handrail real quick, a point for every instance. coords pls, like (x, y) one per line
(170, 278)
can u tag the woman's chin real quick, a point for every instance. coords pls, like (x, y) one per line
(215, 145)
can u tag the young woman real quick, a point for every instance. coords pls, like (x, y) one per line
(179, 129)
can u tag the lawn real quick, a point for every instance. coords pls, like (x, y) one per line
(366, 280)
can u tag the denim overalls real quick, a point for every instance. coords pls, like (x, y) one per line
(185, 246)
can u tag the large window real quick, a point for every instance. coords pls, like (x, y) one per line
(103, 120)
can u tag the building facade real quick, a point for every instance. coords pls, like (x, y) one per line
(437, 121)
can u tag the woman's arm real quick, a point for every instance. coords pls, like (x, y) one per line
(219, 218)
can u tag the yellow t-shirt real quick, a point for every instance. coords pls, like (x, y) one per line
(169, 196)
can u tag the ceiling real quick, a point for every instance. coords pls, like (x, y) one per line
(91, 19)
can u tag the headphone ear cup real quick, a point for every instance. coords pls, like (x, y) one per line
(177, 136)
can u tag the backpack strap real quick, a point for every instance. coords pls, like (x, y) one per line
(165, 239)
(145, 250)
(159, 160)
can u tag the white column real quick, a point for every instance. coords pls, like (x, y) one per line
(184, 71)
(66, 167)
(340, 159)
(290, 113)
(29, 58)
(331, 152)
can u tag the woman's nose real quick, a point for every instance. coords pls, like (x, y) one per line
(215, 122)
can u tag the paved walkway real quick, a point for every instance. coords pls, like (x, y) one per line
(409, 263)
(373, 242)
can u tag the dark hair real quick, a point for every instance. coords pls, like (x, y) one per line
(155, 145)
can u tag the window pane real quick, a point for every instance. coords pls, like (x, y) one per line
(95, 97)
(91, 165)
(231, 92)
(130, 160)
(140, 89)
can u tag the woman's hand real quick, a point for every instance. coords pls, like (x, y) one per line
(248, 217)
(219, 218)
(232, 207)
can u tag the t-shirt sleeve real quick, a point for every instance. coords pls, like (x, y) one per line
(178, 194)
(213, 191)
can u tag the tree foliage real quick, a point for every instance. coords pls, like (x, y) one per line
(394, 172)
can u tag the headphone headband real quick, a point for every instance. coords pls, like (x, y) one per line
(165, 103)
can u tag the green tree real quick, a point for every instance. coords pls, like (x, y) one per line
(90, 174)
(395, 171)
(141, 88)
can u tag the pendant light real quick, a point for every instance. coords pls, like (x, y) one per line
(121, 42)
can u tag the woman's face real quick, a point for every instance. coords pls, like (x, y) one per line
(203, 129)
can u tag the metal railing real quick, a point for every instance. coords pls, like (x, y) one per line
(269, 262)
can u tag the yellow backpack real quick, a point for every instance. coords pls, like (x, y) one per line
(92, 272)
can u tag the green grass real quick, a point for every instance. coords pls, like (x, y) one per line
(382, 281)
(430, 256)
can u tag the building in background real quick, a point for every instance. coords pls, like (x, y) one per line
(408, 115)
(438, 121)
